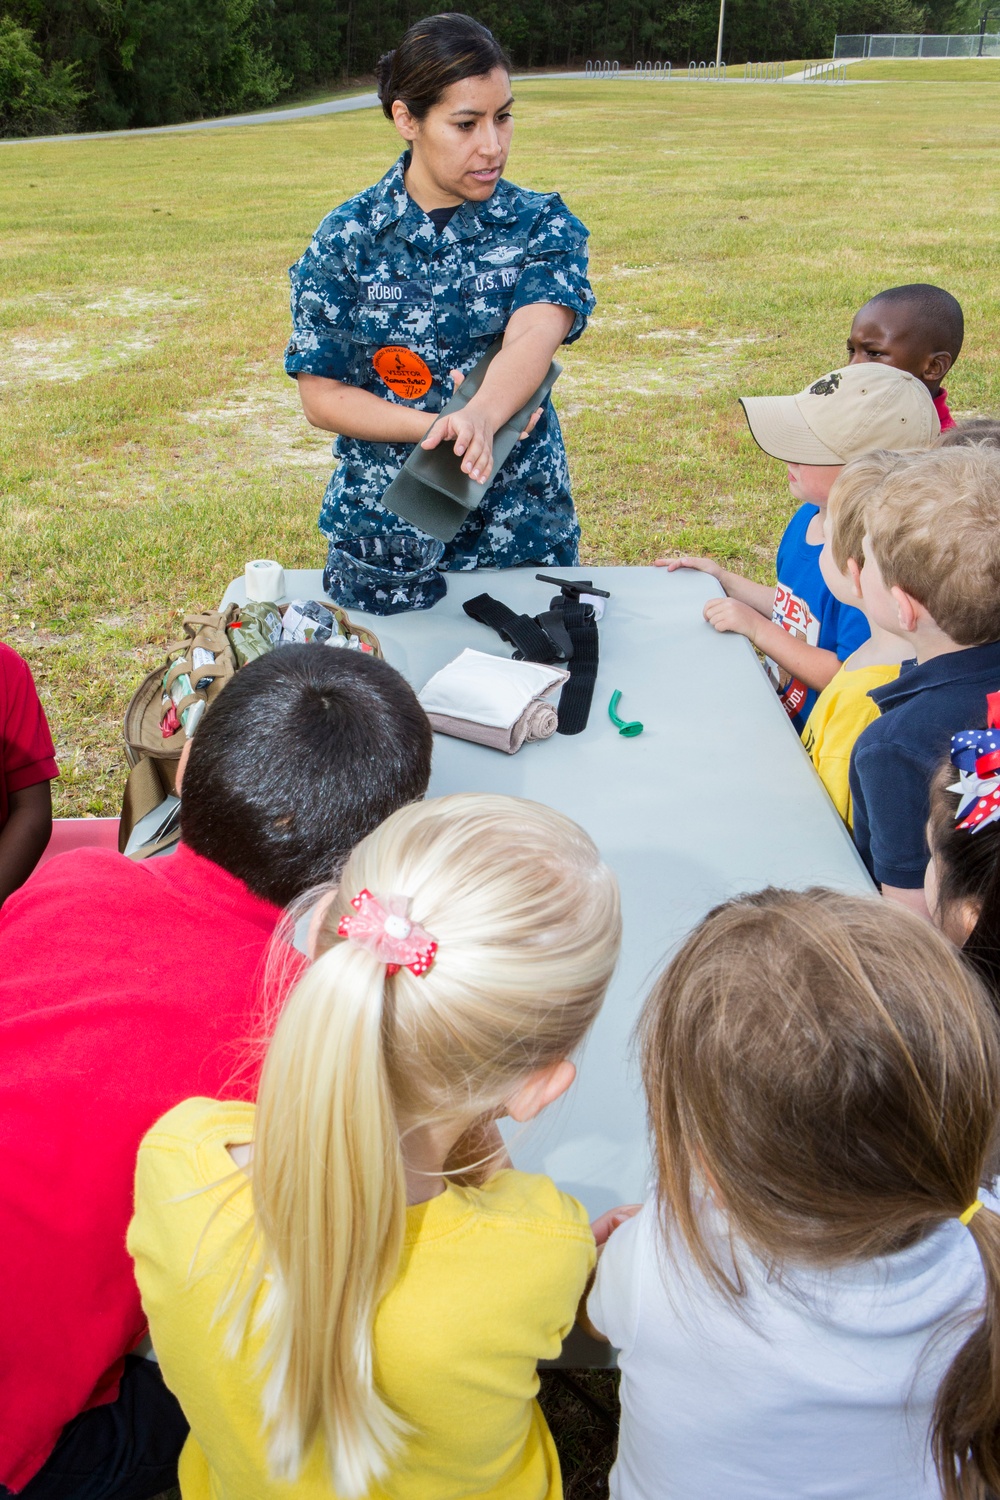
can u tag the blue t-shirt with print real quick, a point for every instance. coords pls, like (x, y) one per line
(804, 606)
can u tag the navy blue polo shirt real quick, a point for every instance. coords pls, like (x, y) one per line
(895, 758)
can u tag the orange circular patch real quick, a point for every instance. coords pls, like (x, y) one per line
(402, 371)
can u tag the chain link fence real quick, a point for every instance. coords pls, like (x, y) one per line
(966, 44)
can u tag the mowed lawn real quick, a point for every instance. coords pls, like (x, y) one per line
(150, 443)
(928, 70)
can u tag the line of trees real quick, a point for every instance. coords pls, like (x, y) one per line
(112, 64)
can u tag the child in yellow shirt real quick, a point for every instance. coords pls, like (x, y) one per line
(843, 709)
(348, 1288)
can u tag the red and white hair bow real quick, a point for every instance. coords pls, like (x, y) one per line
(975, 754)
(384, 928)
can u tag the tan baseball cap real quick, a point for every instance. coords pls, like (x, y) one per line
(843, 414)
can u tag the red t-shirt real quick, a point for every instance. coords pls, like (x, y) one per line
(941, 407)
(27, 754)
(124, 988)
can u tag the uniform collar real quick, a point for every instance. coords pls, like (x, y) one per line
(392, 204)
(390, 199)
(953, 669)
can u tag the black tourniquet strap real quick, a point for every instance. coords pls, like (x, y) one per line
(575, 698)
(525, 634)
(531, 642)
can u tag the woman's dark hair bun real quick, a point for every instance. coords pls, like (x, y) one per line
(432, 55)
(383, 74)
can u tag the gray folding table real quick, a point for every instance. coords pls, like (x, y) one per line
(716, 797)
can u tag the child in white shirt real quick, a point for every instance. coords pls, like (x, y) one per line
(800, 1308)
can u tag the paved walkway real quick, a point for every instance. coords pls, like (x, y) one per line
(342, 106)
(265, 117)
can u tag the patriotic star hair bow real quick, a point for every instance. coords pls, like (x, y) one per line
(384, 928)
(975, 754)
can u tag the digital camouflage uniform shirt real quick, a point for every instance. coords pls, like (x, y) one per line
(378, 277)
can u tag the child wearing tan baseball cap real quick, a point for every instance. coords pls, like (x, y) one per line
(805, 632)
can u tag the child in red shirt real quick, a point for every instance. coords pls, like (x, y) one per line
(918, 328)
(27, 765)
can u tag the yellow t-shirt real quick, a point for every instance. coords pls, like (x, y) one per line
(839, 714)
(488, 1284)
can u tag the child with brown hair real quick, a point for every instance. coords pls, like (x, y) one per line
(932, 574)
(811, 1305)
(844, 708)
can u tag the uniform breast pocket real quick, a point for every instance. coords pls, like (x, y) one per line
(486, 300)
(394, 312)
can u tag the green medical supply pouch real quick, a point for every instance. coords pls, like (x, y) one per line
(255, 631)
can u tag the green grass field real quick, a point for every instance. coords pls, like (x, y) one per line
(150, 443)
(928, 70)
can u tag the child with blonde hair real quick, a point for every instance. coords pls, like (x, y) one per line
(811, 1303)
(349, 1317)
(844, 708)
(932, 575)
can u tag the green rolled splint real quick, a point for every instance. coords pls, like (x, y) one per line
(628, 729)
(430, 490)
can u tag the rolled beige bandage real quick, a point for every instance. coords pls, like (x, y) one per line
(492, 700)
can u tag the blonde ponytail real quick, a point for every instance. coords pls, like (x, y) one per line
(966, 1431)
(333, 1235)
(527, 922)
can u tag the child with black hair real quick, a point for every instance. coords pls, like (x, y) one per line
(918, 328)
(962, 882)
(126, 987)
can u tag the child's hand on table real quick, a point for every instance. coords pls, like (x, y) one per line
(738, 619)
(701, 564)
(753, 600)
(604, 1227)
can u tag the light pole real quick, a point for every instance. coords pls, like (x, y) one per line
(722, 21)
(983, 19)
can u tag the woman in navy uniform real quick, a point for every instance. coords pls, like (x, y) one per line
(404, 288)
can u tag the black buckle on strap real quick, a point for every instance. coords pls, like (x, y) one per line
(566, 632)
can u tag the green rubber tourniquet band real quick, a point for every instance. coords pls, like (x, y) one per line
(626, 729)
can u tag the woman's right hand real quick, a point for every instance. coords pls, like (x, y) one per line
(471, 430)
(457, 379)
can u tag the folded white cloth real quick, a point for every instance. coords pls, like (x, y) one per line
(492, 700)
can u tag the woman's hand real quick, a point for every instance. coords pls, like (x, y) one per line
(442, 432)
(471, 431)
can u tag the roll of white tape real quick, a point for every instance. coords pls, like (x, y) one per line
(265, 581)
